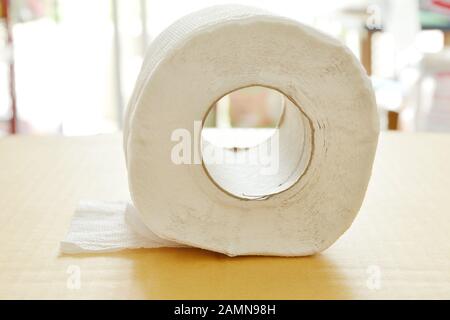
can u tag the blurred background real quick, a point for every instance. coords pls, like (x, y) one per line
(69, 66)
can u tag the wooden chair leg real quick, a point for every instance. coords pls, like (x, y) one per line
(393, 120)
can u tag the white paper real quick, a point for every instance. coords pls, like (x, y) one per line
(98, 226)
(199, 59)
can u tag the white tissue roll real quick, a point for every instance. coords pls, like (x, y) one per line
(218, 50)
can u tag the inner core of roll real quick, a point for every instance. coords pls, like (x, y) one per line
(255, 142)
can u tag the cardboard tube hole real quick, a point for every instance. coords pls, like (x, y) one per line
(255, 142)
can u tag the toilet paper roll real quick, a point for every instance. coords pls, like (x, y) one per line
(210, 53)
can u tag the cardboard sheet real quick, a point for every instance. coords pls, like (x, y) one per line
(398, 247)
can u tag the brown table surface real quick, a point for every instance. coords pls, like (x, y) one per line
(398, 246)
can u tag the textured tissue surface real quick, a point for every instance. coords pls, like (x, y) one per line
(187, 68)
(109, 226)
